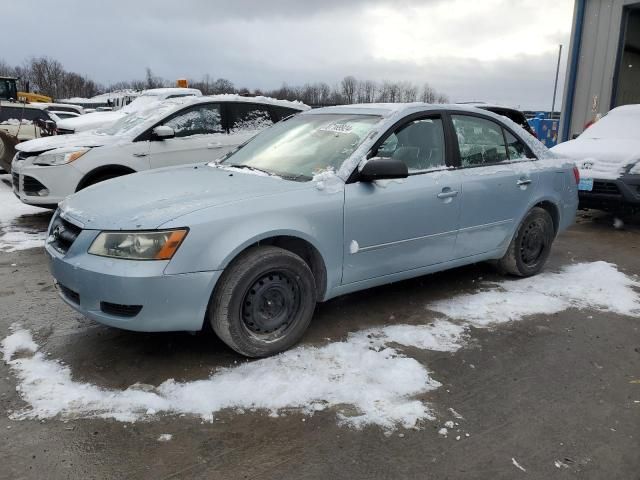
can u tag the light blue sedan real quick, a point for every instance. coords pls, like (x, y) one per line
(327, 202)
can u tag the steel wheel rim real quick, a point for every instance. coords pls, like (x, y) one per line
(533, 243)
(271, 305)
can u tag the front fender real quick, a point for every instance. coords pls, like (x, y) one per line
(219, 234)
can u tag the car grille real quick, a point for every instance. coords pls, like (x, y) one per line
(607, 188)
(16, 181)
(120, 310)
(69, 294)
(31, 186)
(62, 234)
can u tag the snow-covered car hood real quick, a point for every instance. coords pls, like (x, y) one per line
(86, 139)
(90, 121)
(149, 199)
(600, 158)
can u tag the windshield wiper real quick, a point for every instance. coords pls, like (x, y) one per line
(249, 167)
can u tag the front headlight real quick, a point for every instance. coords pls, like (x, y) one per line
(60, 156)
(156, 245)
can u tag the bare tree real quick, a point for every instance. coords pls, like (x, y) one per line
(348, 88)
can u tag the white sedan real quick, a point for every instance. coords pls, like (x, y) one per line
(608, 157)
(172, 132)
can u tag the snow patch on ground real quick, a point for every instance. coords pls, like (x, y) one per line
(13, 238)
(367, 379)
(595, 286)
(367, 382)
(19, 341)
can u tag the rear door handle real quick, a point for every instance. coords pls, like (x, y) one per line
(140, 154)
(448, 194)
(214, 145)
(524, 181)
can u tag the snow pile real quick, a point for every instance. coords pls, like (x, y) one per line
(378, 381)
(367, 379)
(12, 238)
(328, 181)
(19, 341)
(595, 286)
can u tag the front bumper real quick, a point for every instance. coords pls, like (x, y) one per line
(92, 285)
(40, 185)
(621, 193)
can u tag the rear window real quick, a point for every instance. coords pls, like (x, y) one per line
(245, 117)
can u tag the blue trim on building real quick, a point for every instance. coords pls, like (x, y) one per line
(573, 69)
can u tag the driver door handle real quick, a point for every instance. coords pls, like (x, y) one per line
(141, 154)
(448, 194)
(524, 181)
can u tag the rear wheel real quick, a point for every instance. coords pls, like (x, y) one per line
(530, 247)
(263, 302)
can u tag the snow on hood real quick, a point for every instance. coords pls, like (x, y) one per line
(149, 199)
(84, 139)
(89, 121)
(600, 158)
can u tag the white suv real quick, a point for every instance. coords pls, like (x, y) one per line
(172, 132)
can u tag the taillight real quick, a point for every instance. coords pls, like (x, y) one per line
(576, 175)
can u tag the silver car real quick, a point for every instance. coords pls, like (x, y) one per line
(328, 202)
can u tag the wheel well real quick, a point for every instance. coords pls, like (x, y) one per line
(115, 170)
(552, 210)
(304, 250)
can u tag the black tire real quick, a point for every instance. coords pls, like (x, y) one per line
(100, 178)
(264, 301)
(530, 247)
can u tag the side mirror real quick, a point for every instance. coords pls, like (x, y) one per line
(383, 168)
(162, 132)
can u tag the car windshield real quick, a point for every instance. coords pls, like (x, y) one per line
(617, 125)
(304, 145)
(135, 122)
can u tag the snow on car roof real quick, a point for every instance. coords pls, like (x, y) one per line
(232, 97)
(162, 92)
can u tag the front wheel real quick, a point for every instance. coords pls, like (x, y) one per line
(530, 247)
(263, 302)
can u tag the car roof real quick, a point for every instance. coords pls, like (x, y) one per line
(393, 109)
(180, 102)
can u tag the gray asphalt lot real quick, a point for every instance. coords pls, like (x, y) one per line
(551, 388)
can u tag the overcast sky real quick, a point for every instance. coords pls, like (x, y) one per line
(501, 51)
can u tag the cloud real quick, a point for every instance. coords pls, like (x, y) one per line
(500, 50)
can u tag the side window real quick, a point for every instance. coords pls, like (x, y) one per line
(247, 117)
(480, 141)
(202, 119)
(517, 150)
(419, 144)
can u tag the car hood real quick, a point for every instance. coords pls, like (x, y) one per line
(90, 121)
(599, 157)
(149, 199)
(87, 139)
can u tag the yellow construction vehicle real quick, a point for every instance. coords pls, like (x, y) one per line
(9, 91)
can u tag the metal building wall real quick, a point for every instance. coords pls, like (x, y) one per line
(588, 90)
